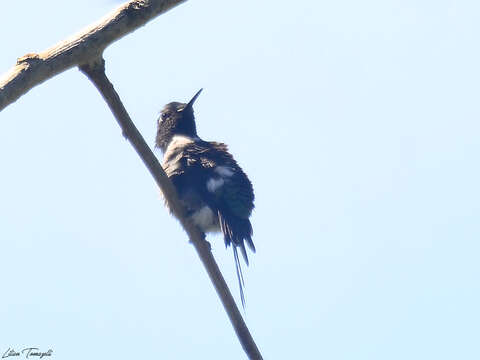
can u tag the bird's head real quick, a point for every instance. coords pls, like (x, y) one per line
(176, 119)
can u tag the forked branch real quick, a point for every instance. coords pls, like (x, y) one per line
(33, 69)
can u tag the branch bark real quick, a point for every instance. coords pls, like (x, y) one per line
(32, 69)
(85, 51)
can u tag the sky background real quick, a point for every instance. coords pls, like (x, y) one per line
(358, 124)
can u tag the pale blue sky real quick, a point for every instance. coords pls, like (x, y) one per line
(358, 124)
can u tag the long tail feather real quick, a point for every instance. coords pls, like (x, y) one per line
(238, 267)
(233, 238)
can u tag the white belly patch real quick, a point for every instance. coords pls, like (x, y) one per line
(205, 219)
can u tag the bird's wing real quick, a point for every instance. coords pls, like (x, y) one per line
(226, 180)
(209, 169)
(215, 175)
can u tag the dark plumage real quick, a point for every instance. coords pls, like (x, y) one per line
(213, 188)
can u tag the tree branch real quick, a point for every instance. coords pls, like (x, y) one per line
(33, 69)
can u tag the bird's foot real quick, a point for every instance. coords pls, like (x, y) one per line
(205, 242)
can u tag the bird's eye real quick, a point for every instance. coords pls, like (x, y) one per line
(165, 115)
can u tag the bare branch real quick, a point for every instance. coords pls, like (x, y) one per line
(95, 71)
(33, 69)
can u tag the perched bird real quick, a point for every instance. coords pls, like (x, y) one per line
(217, 194)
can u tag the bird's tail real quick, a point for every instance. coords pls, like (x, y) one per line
(238, 268)
(236, 231)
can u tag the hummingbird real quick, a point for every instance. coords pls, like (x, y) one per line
(216, 193)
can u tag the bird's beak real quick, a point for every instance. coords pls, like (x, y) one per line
(190, 103)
